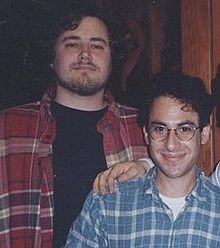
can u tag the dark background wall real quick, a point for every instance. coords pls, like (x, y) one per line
(24, 58)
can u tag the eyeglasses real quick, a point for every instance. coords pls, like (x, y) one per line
(183, 132)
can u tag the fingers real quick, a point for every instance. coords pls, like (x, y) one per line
(129, 174)
(130, 171)
(105, 181)
(95, 186)
(112, 177)
(100, 183)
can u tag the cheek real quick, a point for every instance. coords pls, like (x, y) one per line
(195, 147)
(195, 143)
(109, 68)
(62, 61)
(104, 61)
(154, 147)
(105, 67)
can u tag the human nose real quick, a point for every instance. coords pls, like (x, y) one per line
(85, 55)
(172, 140)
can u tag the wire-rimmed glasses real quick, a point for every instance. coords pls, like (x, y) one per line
(184, 132)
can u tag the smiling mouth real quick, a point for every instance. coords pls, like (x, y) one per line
(173, 157)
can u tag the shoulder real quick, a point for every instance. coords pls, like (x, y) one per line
(215, 177)
(120, 110)
(126, 111)
(18, 116)
(124, 114)
(20, 121)
(211, 187)
(29, 109)
(126, 194)
(20, 110)
(133, 185)
(211, 193)
(127, 197)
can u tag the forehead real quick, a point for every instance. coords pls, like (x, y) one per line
(171, 112)
(88, 28)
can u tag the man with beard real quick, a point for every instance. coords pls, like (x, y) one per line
(52, 150)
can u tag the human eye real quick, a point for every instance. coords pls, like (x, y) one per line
(185, 129)
(158, 132)
(72, 45)
(158, 129)
(186, 132)
(97, 46)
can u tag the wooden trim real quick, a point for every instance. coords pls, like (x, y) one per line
(215, 9)
(155, 38)
(197, 54)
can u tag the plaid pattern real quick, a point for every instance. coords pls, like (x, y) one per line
(215, 176)
(26, 176)
(135, 216)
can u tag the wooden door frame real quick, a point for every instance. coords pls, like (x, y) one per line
(200, 44)
(215, 8)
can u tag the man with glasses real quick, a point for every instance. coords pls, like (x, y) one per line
(175, 205)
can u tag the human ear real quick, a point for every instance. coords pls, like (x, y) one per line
(145, 135)
(205, 134)
(52, 65)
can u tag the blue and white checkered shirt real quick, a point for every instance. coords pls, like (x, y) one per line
(215, 176)
(135, 216)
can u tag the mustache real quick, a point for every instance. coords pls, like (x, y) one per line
(81, 65)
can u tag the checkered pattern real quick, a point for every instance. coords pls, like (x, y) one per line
(135, 217)
(215, 176)
(26, 176)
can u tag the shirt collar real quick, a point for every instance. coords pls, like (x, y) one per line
(45, 109)
(195, 194)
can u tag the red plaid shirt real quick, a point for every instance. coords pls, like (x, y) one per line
(26, 172)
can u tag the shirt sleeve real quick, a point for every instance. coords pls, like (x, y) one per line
(86, 231)
(215, 176)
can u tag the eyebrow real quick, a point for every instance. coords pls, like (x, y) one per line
(75, 37)
(187, 122)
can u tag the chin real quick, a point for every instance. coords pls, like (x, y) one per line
(172, 174)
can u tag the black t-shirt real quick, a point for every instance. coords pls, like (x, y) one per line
(78, 157)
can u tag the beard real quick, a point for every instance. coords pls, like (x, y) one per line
(83, 85)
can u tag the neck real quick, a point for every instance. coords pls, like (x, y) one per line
(175, 187)
(73, 100)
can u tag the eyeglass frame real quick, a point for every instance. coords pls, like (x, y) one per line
(168, 130)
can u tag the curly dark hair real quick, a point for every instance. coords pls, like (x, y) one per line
(70, 19)
(188, 90)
